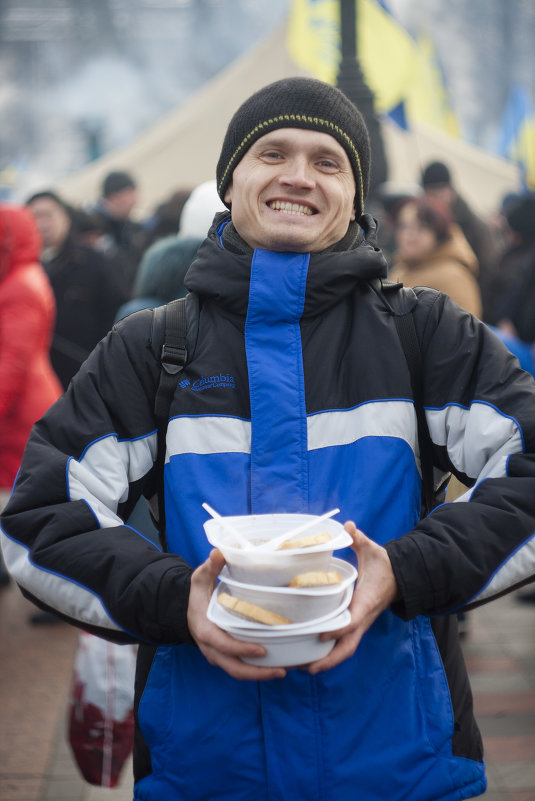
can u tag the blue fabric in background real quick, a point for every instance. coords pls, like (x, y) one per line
(522, 350)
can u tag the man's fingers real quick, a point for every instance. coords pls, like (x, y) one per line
(337, 634)
(360, 539)
(242, 670)
(375, 589)
(211, 568)
(214, 564)
(219, 647)
(227, 653)
(214, 638)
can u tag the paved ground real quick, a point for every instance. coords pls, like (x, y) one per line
(35, 671)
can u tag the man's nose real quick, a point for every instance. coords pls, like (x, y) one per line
(297, 172)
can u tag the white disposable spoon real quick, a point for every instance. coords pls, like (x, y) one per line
(244, 542)
(288, 535)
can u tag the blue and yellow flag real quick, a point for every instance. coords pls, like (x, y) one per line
(387, 53)
(403, 74)
(517, 134)
(427, 97)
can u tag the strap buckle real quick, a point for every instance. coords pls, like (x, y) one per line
(173, 358)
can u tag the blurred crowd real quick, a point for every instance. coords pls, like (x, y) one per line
(68, 273)
(432, 237)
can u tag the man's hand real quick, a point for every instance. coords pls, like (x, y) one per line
(218, 647)
(375, 590)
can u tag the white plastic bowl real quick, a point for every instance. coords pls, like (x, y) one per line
(227, 620)
(274, 568)
(292, 648)
(297, 604)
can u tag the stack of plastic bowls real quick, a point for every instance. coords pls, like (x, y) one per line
(261, 576)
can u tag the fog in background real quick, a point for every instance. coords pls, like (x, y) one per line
(81, 77)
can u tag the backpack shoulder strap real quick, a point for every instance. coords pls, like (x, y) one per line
(411, 348)
(178, 320)
(175, 326)
(173, 355)
(401, 301)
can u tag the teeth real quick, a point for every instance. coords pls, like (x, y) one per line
(290, 208)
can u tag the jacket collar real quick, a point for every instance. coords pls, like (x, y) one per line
(223, 276)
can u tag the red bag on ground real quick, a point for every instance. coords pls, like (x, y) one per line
(101, 714)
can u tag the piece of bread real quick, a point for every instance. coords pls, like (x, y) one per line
(250, 611)
(306, 542)
(316, 578)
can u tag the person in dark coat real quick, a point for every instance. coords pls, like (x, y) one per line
(516, 312)
(123, 239)
(86, 291)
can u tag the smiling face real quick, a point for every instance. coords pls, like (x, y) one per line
(293, 191)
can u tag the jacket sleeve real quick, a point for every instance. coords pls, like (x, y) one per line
(85, 464)
(480, 408)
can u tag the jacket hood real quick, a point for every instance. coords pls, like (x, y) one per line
(223, 276)
(20, 241)
(163, 268)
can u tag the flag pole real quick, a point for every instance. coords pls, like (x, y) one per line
(350, 81)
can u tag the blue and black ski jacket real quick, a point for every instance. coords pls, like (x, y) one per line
(296, 397)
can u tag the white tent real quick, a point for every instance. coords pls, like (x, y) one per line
(181, 149)
(482, 179)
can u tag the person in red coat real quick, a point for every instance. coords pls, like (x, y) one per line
(28, 385)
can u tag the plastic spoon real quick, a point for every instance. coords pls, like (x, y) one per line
(288, 535)
(244, 542)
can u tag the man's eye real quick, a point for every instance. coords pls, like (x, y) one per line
(272, 154)
(328, 164)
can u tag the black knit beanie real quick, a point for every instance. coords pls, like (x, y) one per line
(298, 103)
(117, 181)
(436, 173)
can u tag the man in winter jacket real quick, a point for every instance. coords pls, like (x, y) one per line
(319, 413)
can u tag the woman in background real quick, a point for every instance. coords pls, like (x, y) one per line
(432, 251)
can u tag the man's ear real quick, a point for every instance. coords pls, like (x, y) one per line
(353, 215)
(228, 194)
